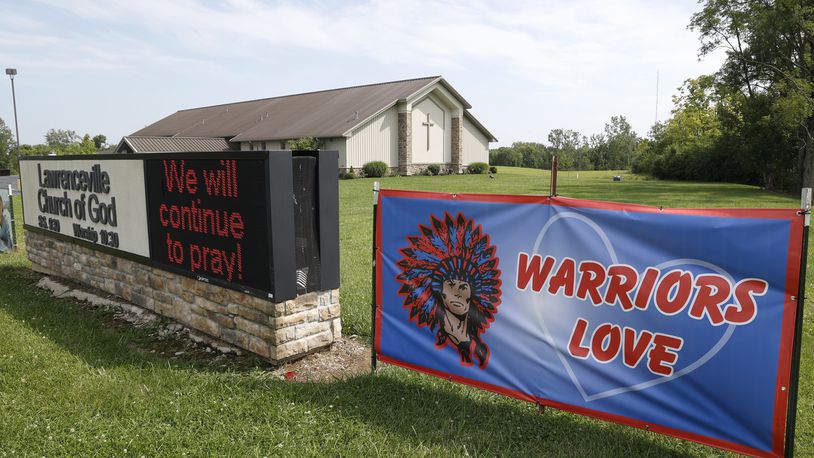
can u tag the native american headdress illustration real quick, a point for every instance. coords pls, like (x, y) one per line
(451, 249)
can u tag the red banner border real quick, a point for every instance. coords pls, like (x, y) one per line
(786, 333)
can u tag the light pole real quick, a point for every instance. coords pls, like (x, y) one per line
(11, 72)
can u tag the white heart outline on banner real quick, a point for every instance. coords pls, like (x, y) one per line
(609, 247)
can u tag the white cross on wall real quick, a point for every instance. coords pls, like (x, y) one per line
(429, 124)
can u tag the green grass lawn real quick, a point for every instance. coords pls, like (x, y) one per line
(70, 384)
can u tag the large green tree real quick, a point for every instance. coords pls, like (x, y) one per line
(621, 143)
(60, 139)
(305, 144)
(682, 146)
(63, 141)
(769, 71)
(100, 141)
(506, 155)
(7, 146)
(571, 149)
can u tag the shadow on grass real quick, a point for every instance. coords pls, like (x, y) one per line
(431, 411)
(420, 410)
(96, 335)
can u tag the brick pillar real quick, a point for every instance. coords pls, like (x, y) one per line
(405, 142)
(457, 144)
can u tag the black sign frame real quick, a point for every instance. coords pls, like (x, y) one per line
(279, 209)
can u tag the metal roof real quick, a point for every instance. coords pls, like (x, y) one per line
(155, 144)
(329, 113)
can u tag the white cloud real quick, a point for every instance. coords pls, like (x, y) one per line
(582, 57)
(525, 39)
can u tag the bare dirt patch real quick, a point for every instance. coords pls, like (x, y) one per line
(347, 357)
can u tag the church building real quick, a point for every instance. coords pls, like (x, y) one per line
(406, 124)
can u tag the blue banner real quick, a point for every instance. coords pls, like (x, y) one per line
(674, 320)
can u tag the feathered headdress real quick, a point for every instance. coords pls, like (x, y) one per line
(449, 249)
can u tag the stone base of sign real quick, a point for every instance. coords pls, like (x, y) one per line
(278, 331)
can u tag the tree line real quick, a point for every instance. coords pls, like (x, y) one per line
(752, 121)
(57, 141)
(613, 149)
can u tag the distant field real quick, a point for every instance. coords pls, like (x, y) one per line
(356, 212)
(70, 384)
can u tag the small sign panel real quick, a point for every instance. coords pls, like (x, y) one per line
(98, 201)
(7, 236)
(208, 217)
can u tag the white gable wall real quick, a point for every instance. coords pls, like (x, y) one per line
(440, 135)
(375, 140)
(336, 144)
(475, 144)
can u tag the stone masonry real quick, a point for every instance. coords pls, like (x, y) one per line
(405, 142)
(278, 331)
(457, 144)
(414, 169)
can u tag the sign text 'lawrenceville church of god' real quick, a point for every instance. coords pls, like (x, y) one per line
(101, 202)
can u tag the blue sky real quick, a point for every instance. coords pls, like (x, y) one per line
(112, 67)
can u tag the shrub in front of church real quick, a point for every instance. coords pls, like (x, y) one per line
(375, 169)
(477, 168)
(433, 169)
(349, 175)
(305, 144)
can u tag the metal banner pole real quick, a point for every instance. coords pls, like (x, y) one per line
(11, 223)
(376, 187)
(791, 411)
(553, 190)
